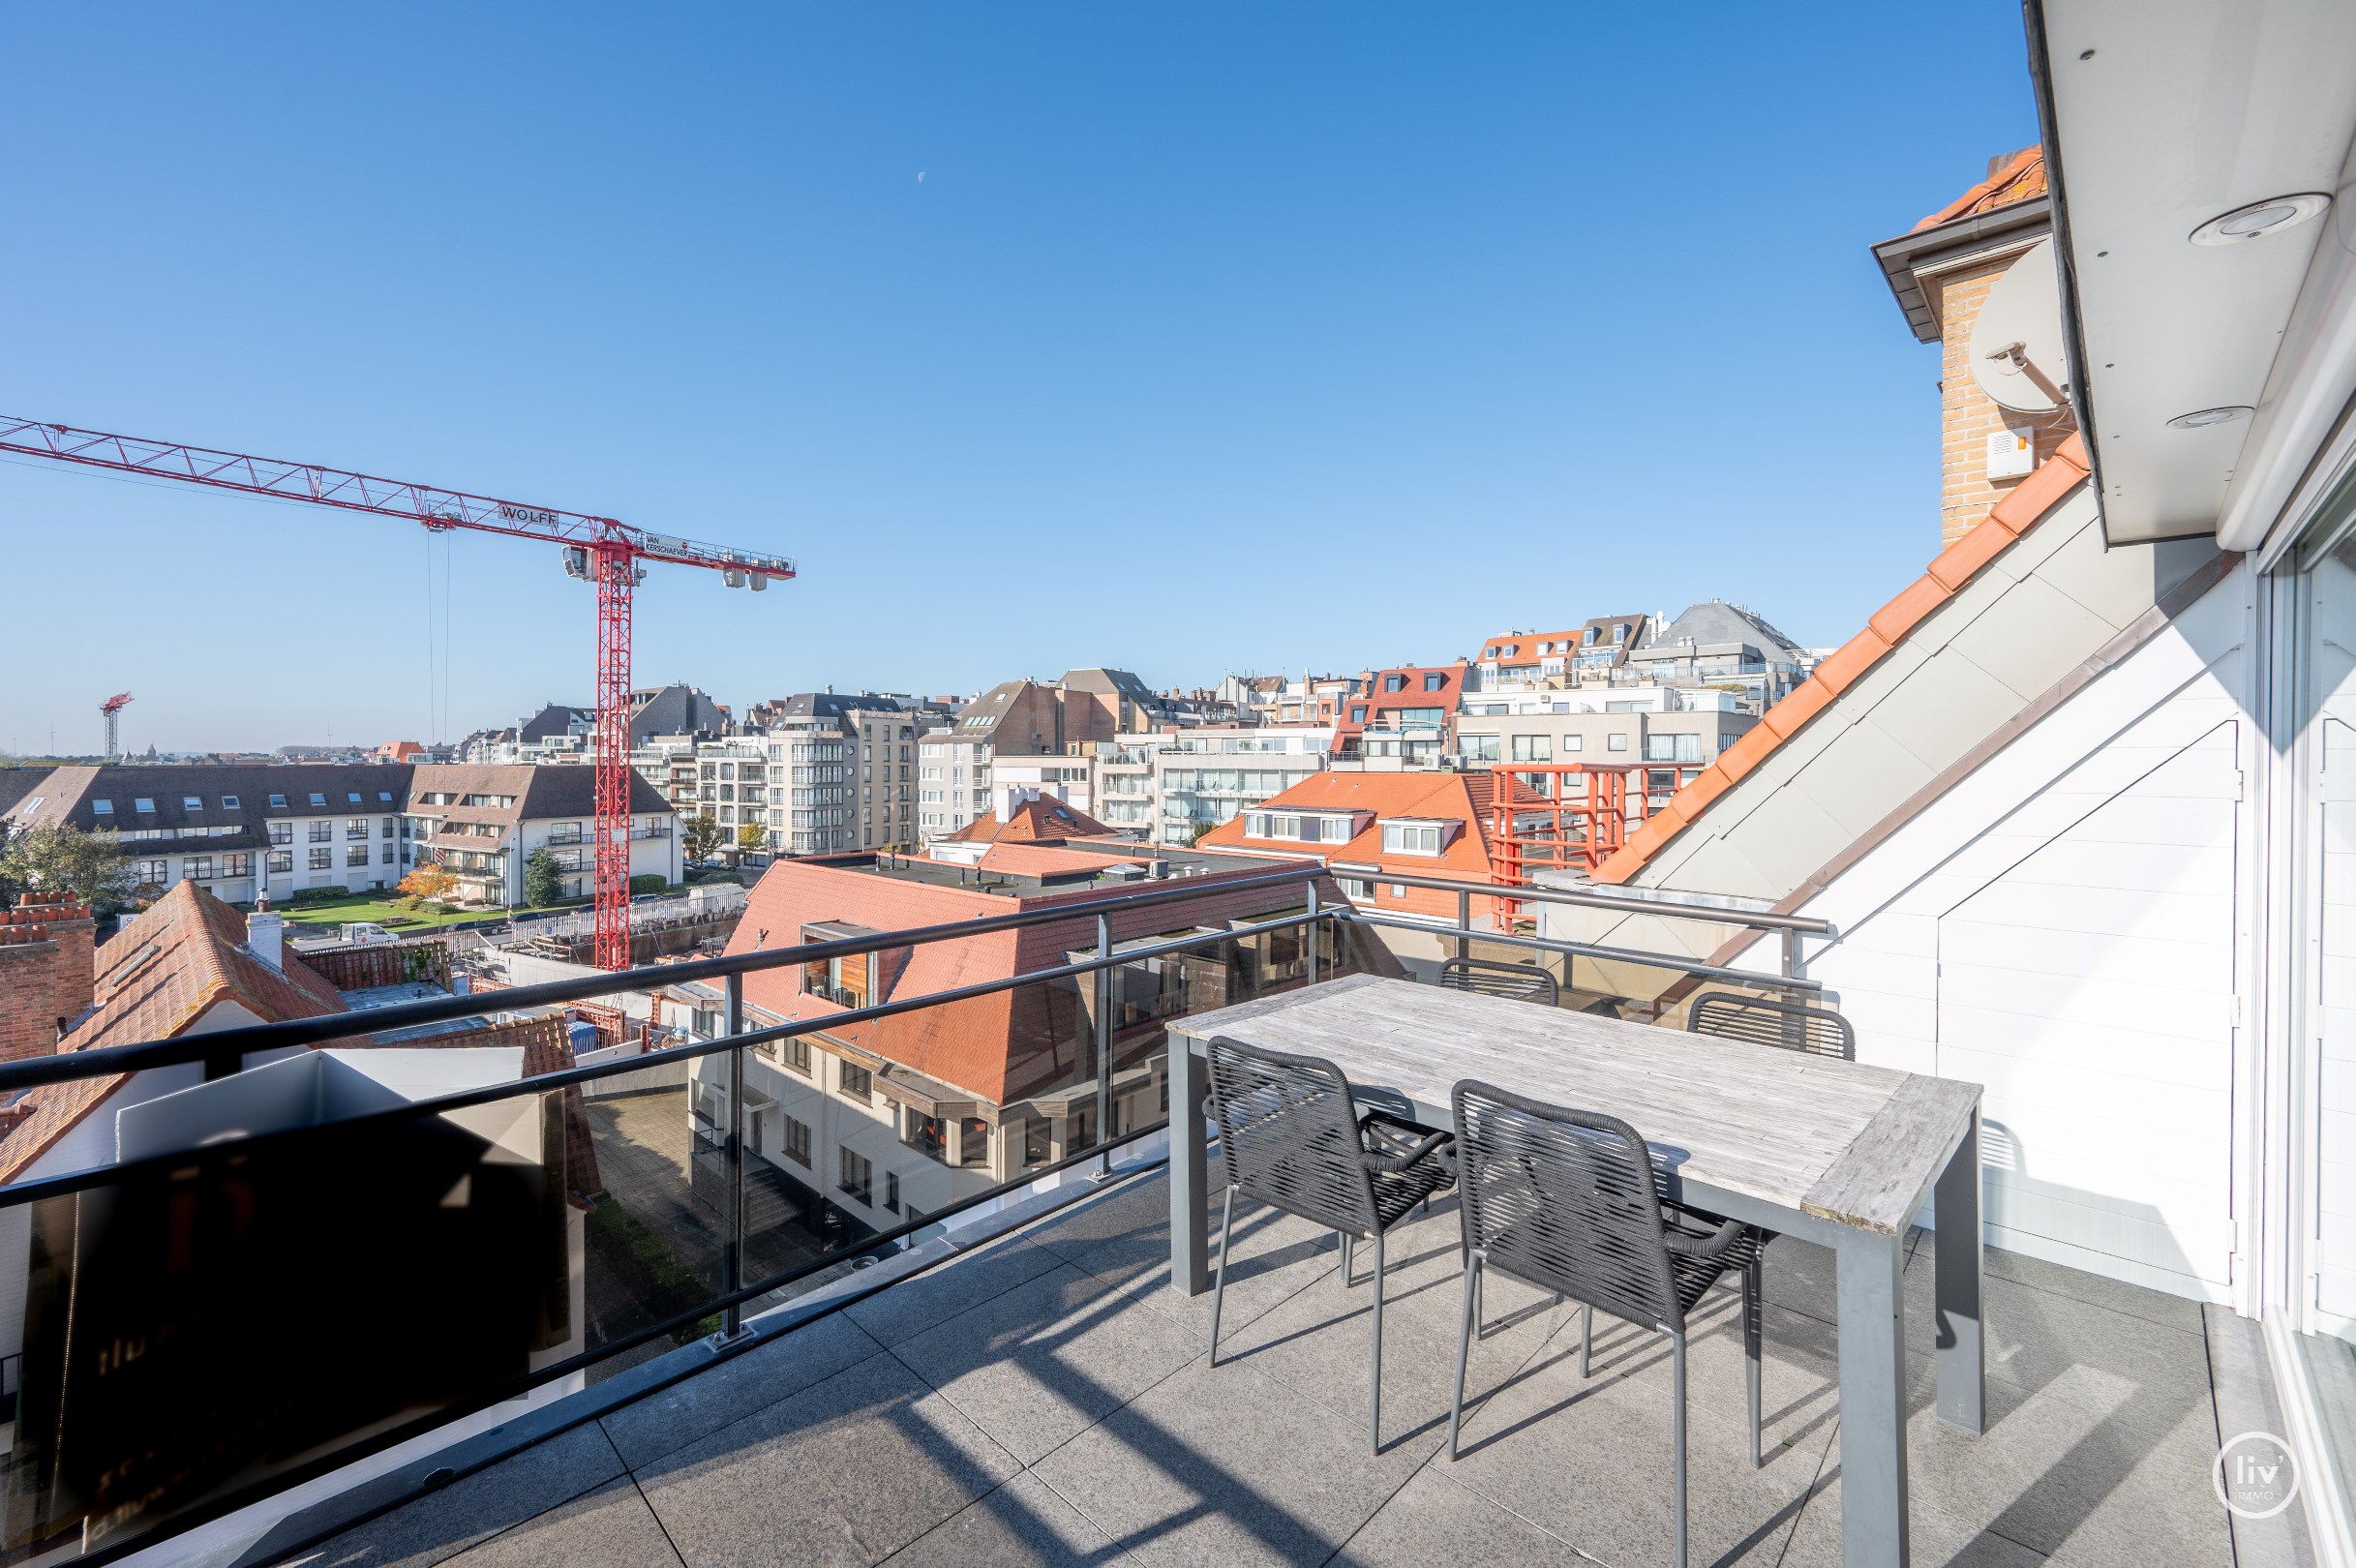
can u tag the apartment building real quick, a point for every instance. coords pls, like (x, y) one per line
(830, 772)
(886, 1121)
(1254, 698)
(1399, 718)
(1674, 732)
(1534, 660)
(1171, 786)
(1436, 823)
(483, 823)
(1728, 646)
(1015, 718)
(235, 830)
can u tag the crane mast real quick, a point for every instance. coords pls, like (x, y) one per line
(603, 549)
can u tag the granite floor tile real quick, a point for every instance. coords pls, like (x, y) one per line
(1590, 1461)
(1433, 1519)
(1034, 1364)
(442, 1523)
(610, 1527)
(2089, 1469)
(735, 1387)
(931, 1298)
(1222, 1467)
(843, 1473)
(1022, 1524)
(1319, 1340)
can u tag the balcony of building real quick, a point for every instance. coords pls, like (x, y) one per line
(1038, 1394)
(762, 1358)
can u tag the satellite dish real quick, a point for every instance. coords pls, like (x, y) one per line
(2017, 340)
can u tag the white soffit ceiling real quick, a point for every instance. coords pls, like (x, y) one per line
(2184, 110)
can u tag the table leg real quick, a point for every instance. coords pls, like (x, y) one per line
(1190, 1161)
(1873, 1401)
(1956, 1244)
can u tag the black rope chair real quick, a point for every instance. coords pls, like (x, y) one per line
(1792, 1026)
(1294, 1137)
(1523, 982)
(1568, 1201)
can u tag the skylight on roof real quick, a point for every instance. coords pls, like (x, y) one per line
(385, 796)
(192, 802)
(142, 802)
(103, 809)
(277, 802)
(228, 802)
(353, 797)
(317, 800)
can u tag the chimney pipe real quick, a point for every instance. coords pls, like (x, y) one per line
(266, 934)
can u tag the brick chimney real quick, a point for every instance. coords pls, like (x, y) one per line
(69, 924)
(28, 990)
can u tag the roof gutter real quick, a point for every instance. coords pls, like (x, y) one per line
(2065, 249)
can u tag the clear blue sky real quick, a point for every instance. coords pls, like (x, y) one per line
(1182, 338)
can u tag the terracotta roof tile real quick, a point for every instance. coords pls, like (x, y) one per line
(2031, 499)
(160, 974)
(1036, 821)
(2021, 177)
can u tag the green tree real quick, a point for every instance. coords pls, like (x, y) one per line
(752, 837)
(700, 837)
(543, 879)
(61, 858)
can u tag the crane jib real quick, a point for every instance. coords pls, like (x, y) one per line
(443, 510)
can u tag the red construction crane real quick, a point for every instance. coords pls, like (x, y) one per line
(107, 710)
(606, 552)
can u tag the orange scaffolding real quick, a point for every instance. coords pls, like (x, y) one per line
(1548, 816)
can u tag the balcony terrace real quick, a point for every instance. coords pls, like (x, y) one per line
(1042, 1396)
(1017, 1379)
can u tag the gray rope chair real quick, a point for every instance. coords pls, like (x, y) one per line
(1294, 1137)
(1568, 1201)
(1523, 982)
(1792, 1026)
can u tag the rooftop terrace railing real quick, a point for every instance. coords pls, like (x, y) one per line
(208, 1326)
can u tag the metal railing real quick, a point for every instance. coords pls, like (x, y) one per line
(1314, 958)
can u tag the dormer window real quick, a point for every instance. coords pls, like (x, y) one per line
(1302, 826)
(1411, 835)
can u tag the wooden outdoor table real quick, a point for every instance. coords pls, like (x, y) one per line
(1831, 1152)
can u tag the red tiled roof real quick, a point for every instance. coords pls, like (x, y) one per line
(1956, 565)
(161, 972)
(1521, 647)
(2019, 177)
(1001, 1048)
(1036, 821)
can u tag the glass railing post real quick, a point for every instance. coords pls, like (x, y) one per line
(732, 1245)
(1310, 932)
(1103, 1045)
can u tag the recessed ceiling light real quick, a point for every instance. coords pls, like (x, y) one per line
(2268, 216)
(2200, 418)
